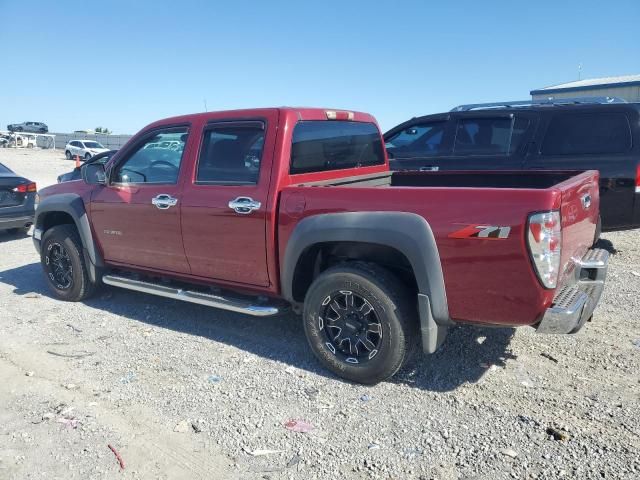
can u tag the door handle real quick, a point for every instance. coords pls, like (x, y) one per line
(244, 205)
(430, 168)
(164, 201)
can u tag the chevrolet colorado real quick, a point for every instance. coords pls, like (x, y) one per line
(257, 210)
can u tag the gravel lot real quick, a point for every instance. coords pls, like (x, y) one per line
(184, 391)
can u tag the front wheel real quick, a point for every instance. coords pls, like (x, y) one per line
(67, 154)
(360, 322)
(64, 264)
(87, 157)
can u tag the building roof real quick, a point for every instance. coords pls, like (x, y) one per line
(590, 83)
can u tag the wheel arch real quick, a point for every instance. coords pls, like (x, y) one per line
(407, 237)
(68, 208)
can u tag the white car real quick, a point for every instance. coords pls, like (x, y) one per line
(85, 149)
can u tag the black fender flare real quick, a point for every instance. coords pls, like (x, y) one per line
(73, 205)
(408, 233)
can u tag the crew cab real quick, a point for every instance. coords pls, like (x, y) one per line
(258, 211)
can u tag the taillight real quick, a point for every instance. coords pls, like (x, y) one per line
(27, 187)
(545, 245)
(638, 179)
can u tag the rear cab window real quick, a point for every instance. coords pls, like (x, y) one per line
(320, 145)
(587, 133)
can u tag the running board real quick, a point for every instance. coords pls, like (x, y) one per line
(216, 301)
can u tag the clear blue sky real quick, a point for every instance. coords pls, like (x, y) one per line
(122, 64)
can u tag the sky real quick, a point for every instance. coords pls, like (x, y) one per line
(78, 65)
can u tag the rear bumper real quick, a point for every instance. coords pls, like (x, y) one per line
(574, 303)
(21, 221)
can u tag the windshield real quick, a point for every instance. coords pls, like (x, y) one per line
(93, 145)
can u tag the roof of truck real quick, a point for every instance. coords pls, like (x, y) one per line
(303, 113)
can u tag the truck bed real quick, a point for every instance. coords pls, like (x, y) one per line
(475, 270)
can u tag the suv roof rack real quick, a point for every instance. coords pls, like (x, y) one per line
(533, 103)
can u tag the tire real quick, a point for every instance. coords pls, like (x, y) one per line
(87, 157)
(67, 154)
(367, 285)
(76, 286)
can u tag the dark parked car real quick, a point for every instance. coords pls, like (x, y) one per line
(563, 134)
(32, 127)
(17, 201)
(75, 174)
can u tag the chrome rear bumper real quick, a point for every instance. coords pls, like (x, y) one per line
(574, 303)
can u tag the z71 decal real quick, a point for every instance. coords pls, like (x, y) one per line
(488, 232)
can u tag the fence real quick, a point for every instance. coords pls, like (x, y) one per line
(112, 142)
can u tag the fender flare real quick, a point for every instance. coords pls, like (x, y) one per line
(408, 233)
(73, 205)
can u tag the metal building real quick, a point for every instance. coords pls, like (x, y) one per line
(626, 87)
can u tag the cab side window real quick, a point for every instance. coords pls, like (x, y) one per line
(156, 160)
(231, 153)
(489, 136)
(585, 133)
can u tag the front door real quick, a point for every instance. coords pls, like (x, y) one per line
(136, 217)
(224, 210)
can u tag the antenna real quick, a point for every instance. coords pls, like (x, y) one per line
(205, 104)
(579, 71)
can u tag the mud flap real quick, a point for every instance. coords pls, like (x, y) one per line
(433, 335)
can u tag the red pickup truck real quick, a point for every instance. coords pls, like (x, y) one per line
(257, 210)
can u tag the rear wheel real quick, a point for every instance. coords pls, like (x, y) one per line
(64, 265)
(87, 157)
(67, 154)
(360, 322)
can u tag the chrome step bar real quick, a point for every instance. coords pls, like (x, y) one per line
(216, 301)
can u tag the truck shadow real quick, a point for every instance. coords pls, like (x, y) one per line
(464, 358)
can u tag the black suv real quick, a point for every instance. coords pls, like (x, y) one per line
(563, 134)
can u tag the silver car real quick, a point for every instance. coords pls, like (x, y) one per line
(33, 127)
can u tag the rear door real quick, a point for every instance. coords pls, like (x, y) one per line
(593, 140)
(136, 217)
(224, 208)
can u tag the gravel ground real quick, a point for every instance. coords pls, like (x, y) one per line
(184, 391)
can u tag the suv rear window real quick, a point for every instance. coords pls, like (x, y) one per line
(318, 146)
(584, 133)
(489, 136)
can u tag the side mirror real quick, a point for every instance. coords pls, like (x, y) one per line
(94, 173)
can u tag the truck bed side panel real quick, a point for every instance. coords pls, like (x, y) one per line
(486, 280)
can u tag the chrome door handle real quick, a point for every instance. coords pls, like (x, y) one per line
(164, 201)
(429, 169)
(244, 205)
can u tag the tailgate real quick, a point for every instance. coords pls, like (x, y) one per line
(580, 209)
